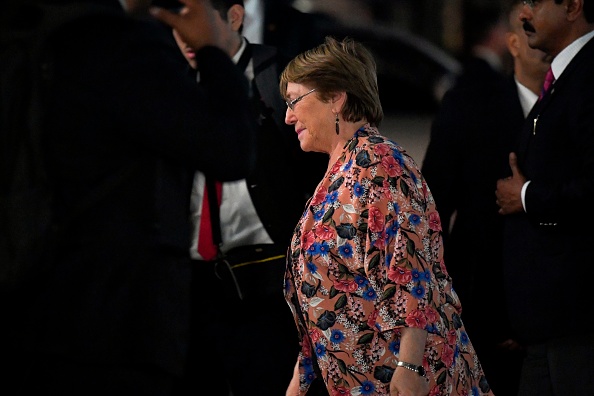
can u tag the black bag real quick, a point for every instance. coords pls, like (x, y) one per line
(28, 233)
(254, 271)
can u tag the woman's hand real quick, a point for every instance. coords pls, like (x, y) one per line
(408, 383)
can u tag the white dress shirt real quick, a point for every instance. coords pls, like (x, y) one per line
(240, 224)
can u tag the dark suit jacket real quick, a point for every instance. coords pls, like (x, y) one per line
(121, 102)
(548, 250)
(285, 176)
(471, 137)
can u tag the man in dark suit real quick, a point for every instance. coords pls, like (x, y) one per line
(476, 126)
(255, 335)
(548, 240)
(111, 316)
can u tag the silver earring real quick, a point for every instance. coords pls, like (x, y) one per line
(337, 126)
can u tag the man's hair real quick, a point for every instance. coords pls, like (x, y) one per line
(479, 18)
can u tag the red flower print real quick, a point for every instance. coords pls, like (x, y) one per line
(307, 239)
(376, 220)
(348, 286)
(320, 196)
(335, 167)
(371, 320)
(451, 337)
(381, 149)
(386, 190)
(416, 319)
(399, 275)
(341, 391)
(391, 166)
(431, 315)
(314, 335)
(380, 242)
(434, 221)
(447, 356)
(306, 347)
(435, 391)
(325, 232)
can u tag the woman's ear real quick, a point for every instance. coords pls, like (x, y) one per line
(338, 100)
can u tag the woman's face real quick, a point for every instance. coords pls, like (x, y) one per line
(313, 119)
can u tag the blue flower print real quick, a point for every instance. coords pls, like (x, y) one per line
(346, 251)
(396, 208)
(358, 190)
(426, 276)
(332, 197)
(312, 267)
(336, 336)
(314, 249)
(348, 165)
(367, 388)
(369, 294)
(418, 291)
(392, 229)
(394, 347)
(417, 275)
(310, 374)
(414, 219)
(464, 338)
(361, 281)
(320, 350)
(319, 214)
(388, 259)
(323, 248)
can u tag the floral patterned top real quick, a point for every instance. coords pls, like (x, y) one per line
(365, 260)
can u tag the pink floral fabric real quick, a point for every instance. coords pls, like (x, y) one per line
(366, 260)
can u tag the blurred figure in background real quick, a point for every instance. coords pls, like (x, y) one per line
(278, 23)
(111, 314)
(256, 217)
(478, 123)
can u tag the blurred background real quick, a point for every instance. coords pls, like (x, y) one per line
(418, 46)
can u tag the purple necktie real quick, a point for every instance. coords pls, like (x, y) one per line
(548, 81)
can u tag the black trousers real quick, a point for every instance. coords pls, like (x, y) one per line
(247, 347)
(559, 367)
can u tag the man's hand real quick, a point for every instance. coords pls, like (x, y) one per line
(196, 23)
(509, 190)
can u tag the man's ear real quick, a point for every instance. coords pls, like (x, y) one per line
(235, 16)
(512, 41)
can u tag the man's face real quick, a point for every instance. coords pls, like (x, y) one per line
(545, 25)
(188, 52)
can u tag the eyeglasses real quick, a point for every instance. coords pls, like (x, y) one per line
(291, 104)
(530, 3)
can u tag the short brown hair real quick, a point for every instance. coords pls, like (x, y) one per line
(339, 66)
